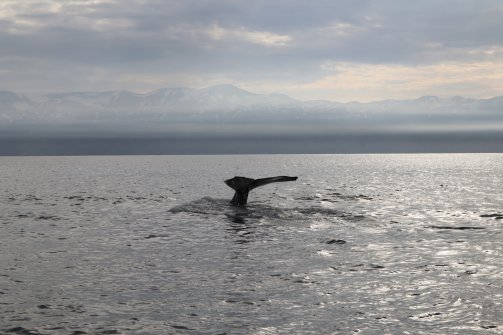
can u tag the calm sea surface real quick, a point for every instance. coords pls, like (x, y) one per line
(366, 244)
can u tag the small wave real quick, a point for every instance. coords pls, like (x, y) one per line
(83, 198)
(22, 331)
(334, 197)
(48, 217)
(206, 205)
(350, 196)
(456, 228)
(496, 216)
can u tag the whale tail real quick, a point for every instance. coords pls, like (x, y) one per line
(243, 186)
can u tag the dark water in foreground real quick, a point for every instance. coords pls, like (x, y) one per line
(367, 244)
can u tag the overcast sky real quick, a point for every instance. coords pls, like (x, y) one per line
(324, 49)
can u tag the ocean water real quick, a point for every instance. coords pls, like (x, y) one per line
(359, 244)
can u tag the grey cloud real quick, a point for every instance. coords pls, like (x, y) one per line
(171, 37)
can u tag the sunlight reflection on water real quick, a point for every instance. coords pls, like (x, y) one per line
(360, 243)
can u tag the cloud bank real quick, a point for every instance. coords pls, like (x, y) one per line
(334, 50)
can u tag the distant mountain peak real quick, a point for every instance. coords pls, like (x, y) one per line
(9, 96)
(229, 87)
(226, 89)
(429, 98)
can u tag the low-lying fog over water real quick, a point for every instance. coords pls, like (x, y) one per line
(367, 244)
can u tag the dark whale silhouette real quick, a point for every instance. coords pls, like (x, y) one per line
(243, 186)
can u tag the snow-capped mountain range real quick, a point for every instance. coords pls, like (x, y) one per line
(227, 103)
(159, 104)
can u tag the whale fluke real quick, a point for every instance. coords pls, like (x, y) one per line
(243, 186)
